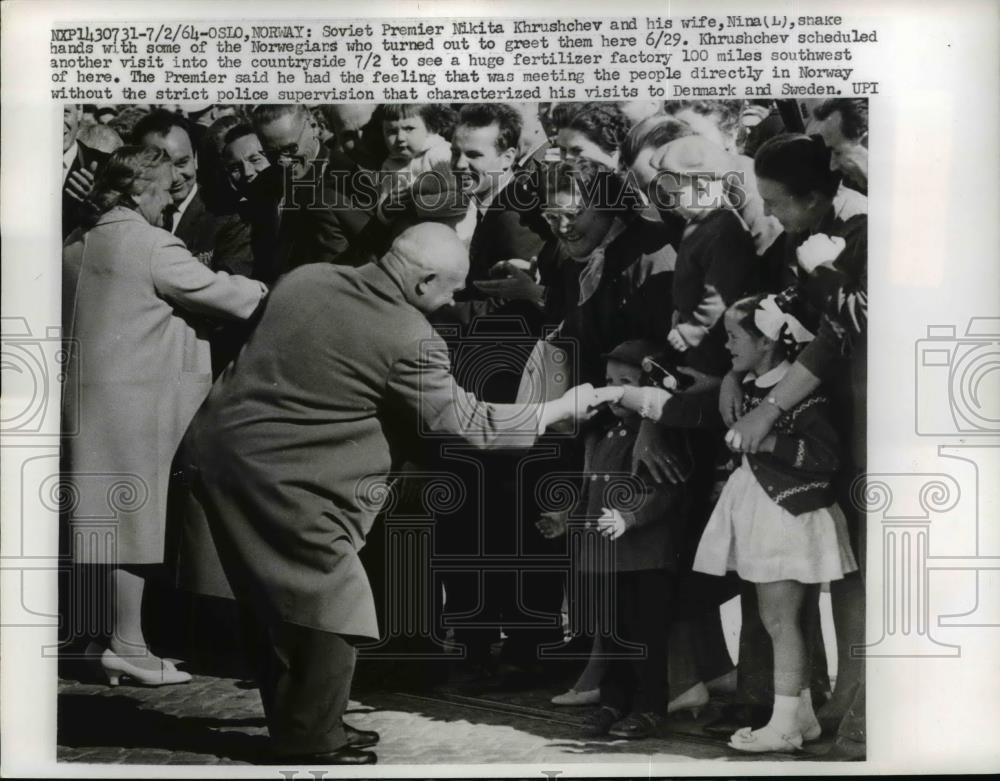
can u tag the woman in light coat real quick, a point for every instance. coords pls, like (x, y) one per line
(135, 307)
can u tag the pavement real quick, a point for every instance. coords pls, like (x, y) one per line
(219, 721)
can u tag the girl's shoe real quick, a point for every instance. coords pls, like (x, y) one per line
(574, 697)
(694, 699)
(115, 668)
(767, 738)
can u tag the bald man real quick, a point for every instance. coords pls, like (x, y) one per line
(341, 371)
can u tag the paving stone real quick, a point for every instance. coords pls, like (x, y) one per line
(215, 721)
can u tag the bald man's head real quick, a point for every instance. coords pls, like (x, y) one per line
(430, 263)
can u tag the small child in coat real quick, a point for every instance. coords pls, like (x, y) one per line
(628, 549)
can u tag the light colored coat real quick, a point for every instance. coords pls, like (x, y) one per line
(138, 369)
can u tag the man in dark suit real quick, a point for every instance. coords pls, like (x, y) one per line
(310, 205)
(484, 152)
(290, 452)
(189, 219)
(490, 345)
(80, 164)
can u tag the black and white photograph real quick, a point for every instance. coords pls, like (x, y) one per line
(482, 412)
(539, 427)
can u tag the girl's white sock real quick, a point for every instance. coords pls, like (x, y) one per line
(806, 712)
(784, 717)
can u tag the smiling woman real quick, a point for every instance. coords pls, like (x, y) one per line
(612, 263)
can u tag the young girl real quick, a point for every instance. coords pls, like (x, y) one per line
(776, 523)
(418, 137)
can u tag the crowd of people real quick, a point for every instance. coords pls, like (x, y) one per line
(270, 304)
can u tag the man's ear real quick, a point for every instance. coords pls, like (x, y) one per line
(509, 156)
(424, 282)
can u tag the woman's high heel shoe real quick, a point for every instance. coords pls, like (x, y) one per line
(693, 700)
(115, 668)
(574, 697)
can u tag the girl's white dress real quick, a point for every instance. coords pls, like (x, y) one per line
(751, 534)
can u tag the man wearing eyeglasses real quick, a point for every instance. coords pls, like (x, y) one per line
(309, 206)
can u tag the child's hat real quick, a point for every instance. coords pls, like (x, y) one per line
(633, 351)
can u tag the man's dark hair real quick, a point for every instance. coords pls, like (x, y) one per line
(799, 162)
(853, 115)
(478, 115)
(159, 123)
(236, 132)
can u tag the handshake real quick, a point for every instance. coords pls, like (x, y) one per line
(579, 403)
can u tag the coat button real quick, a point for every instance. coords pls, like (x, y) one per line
(607, 478)
(622, 433)
(593, 477)
(610, 434)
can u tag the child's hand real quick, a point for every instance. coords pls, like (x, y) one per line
(610, 394)
(819, 249)
(611, 524)
(551, 525)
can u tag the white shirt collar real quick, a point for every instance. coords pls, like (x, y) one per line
(482, 204)
(68, 157)
(179, 211)
(771, 378)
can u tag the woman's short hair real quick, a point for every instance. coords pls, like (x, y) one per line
(128, 172)
(799, 162)
(603, 124)
(726, 112)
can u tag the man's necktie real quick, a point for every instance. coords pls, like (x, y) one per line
(168, 218)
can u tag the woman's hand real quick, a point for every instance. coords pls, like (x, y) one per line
(519, 285)
(675, 340)
(730, 399)
(611, 523)
(748, 433)
(552, 525)
(610, 394)
(819, 249)
(702, 382)
(651, 451)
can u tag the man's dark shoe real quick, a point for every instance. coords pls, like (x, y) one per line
(342, 756)
(636, 726)
(360, 738)
(734, 717)
(597, 724)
